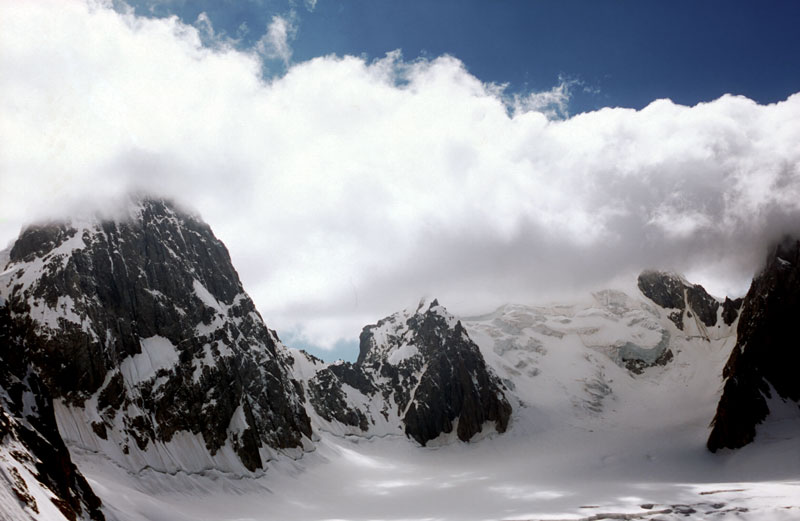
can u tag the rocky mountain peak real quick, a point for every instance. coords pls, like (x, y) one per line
(687, 301)
(436, 374)
(140, 326)
(381, 341)
(765, 359)
(35, 465)
(417, 372)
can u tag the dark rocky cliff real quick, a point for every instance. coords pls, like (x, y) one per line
(455, 387)
(767, 352)
(146, 316)
(32, 453)
(420, 368)
(670, 291)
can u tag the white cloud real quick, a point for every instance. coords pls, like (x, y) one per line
(346, 189)
(274, 45)
(204, 26)
(554, 103)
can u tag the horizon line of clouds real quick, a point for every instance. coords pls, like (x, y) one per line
(346, 188)
(274, 44)
(282, 30)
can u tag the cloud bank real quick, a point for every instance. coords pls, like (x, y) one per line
(348, 188)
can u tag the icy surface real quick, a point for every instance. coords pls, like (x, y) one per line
(157, 353)
(11, 472)
(570, 474)
(588, 439)
(402, 353)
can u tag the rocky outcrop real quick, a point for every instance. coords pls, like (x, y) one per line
(672, 292)
(34, 462)
(329, 400)
(702, 304)
(455, 386)
(767, 351)
(140, 326)
(730, 310)
(434, 373)
(417, 373)
(638, 365)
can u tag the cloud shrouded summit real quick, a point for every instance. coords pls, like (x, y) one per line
(347, 188)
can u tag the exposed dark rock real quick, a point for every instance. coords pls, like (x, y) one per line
(730, 310)
(330, 402)
(20, 489)
(671, 292)
(416, 368)
(107, 288)
(767, 351)
(664, 289)
(38, 240)
(27, 419)
(445, 381)
(704, 305)
(637, 366)
(353, 376)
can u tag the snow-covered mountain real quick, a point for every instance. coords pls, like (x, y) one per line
(763, 365)
(37, 476)
(418, 372)
(612, 359)
(153, 353)
(131, 341)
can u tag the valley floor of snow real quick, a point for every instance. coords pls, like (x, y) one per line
(588, 439)
(570, 473)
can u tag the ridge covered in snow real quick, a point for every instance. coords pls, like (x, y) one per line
(135, 344)
(417, 373)
(153, 352)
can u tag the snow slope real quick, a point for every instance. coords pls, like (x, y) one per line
(589, 439)
(153, 352)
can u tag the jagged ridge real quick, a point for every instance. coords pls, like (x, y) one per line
(766, 355)
(140, 326)
(421, 373)
(34, 462)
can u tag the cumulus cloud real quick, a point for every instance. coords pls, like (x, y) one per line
(347, 188)
(274, 45)
(554, 103)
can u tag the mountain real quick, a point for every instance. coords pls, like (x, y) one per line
(615, 360)
(141, 332)
(151, 353)
(692, 306)
(419, 373)
(762, 368)
(37, 476)
(130, 354)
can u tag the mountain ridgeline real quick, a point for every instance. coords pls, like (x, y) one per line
(135, 339)
(34, 462)
(132, 337)
(141, 330)
(763, 364)
(417, 372)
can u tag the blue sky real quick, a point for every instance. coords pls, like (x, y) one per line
(608, 53)
(619, 53)
(347, 184)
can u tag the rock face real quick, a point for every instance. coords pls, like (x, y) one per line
(435, 373)
(140, 328)
(670, 291)
(730, 310)
(34, 462)
(417, 372)
(767, 351)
